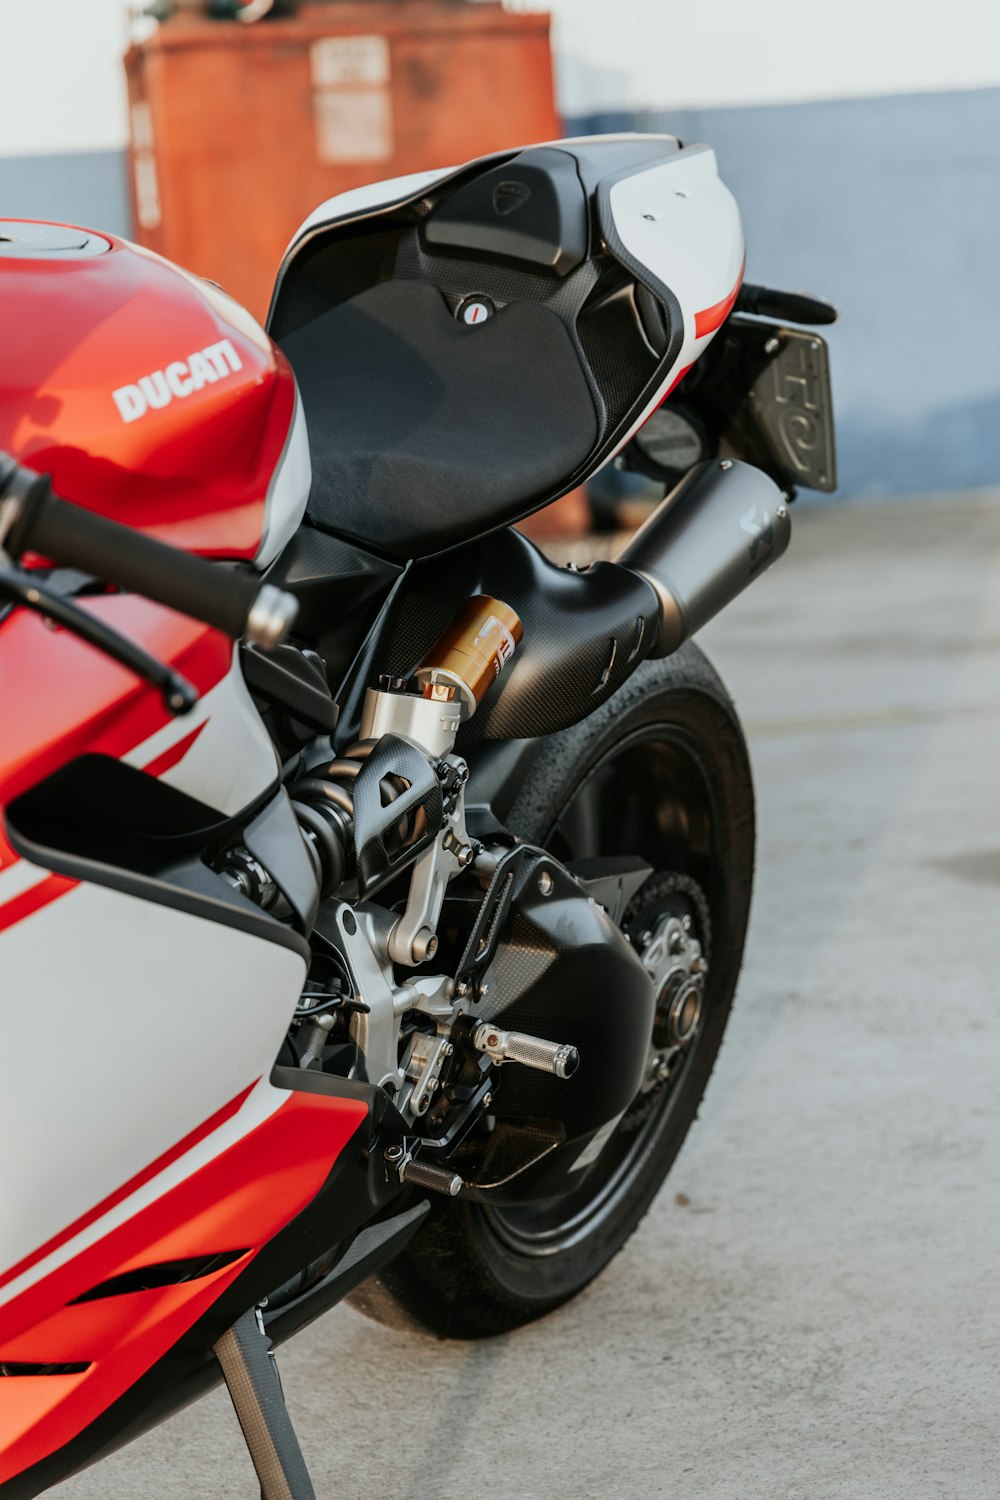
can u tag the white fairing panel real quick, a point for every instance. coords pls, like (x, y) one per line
(681, 222)
(159, 1018)
(230, 760)
(289, 490)
(363, 200)
(183, 1017)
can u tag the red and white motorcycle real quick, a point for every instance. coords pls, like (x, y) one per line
(372, 889)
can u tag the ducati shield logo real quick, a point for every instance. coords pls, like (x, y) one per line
(761, 534)
(180, 378)
(508, 197)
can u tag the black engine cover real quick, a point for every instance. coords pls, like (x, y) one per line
(563, 971)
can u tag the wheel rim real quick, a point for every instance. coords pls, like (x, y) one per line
(610, 812)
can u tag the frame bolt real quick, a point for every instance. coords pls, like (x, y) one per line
(425, 945)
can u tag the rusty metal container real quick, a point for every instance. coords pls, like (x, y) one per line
(239, 131)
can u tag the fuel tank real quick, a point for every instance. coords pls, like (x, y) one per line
(147, 394)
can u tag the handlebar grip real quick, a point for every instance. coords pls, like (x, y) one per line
(795, 307)
(236, 603)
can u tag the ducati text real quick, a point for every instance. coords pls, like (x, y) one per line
(182, 377)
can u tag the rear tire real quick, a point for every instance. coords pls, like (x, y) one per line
(661, 770)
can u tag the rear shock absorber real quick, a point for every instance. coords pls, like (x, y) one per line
(324, 806)
(323, 803)
(451, 682)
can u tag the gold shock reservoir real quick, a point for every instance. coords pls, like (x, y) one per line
(471, 654)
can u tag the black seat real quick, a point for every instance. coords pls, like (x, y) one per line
(425, 431)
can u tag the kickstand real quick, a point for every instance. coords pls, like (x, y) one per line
(252, 1377)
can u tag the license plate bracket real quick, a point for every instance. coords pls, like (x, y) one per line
(788, 406)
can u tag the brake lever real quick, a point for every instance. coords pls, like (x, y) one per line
(179, 696)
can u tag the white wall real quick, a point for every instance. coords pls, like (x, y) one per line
(63, 85)
(666, 54)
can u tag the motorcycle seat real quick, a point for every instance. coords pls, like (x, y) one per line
(425, 430)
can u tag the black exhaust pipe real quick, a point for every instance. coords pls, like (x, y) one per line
(718, 530)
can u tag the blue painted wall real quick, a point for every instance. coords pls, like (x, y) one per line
(889, 207)
(87, 187)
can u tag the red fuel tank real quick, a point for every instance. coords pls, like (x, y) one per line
(147, 394)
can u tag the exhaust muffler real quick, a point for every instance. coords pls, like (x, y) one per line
(718, 530)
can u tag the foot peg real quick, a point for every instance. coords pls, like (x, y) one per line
(425, 1174)
(529, 1051)
(422, 1174)
(252, 1377)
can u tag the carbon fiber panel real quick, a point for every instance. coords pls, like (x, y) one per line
(564, 972)
(584, 633)
(458, 277)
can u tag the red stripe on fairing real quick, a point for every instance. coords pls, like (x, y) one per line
(91, 704)
(711, 318)
(241, 1197)
(187, 1143)
(33, 900)
(171, 756)
(7, 855)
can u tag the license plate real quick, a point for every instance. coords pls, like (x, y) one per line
(788, 400)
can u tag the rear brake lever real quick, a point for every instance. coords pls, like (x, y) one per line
(179, 695)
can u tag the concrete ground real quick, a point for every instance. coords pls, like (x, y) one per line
(810, 1309)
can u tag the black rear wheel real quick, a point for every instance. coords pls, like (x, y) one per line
(661, 771)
